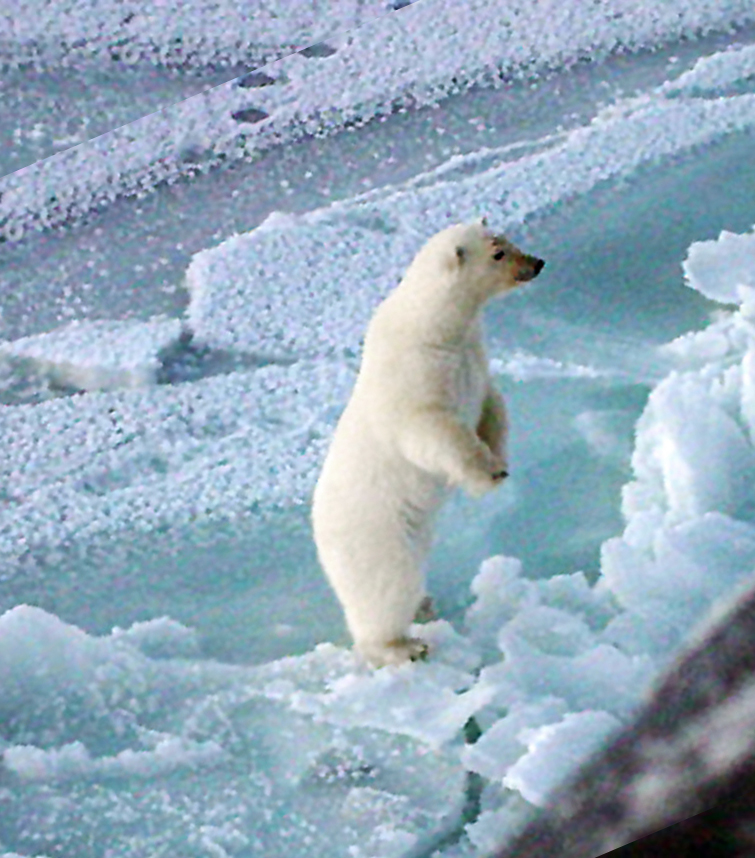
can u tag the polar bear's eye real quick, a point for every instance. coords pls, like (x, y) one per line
(499, 255)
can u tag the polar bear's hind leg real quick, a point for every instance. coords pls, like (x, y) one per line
(397, 651)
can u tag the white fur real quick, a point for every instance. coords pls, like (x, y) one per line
(423, 418)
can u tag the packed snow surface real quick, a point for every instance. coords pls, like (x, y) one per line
(411, 57)
(132, 743)
(98, 355)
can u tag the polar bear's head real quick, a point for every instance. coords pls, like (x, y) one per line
(470, 258)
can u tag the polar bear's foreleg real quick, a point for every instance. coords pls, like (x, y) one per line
(493, 425)
(436, 441)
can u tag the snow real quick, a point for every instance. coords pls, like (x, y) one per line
(166, 454)
(135, 740)
(352, 253)
(99, 355)
(93, 726)
(412, 57)
(716, 73)
(194, 33)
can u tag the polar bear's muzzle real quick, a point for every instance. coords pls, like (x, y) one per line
(527, 267)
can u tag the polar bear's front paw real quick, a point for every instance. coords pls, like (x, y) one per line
(398, 651)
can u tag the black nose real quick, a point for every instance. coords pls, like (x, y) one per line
(538, 266)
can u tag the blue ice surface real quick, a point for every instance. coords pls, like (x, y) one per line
(251, 589)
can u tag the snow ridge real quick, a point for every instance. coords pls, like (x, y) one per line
(406, 59)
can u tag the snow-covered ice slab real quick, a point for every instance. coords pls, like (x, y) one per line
(718, 73)
(184, 33)
(98, 355)
(165, 455)
(331, 266)
(412, 57)
(291, 288)
(112, 751)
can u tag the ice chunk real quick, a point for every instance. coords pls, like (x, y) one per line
(501, 745)
(74, 760)
(600, 677)
(494, 827)
(502, 594)
(748, 393)
(522, 366)
(691, 451)
(717, 268)
(429, 701)
(499, 592)
(554, 751)
(98, 355)
(160, 638)
(671, 587)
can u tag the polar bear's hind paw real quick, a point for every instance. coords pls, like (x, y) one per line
(418, 649)
(395, 652)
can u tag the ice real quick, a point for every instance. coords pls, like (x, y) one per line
(682, 419)
(605, 432)
(162, 637)
(554, 750)
(523, 367)
(351, 253)
(717, 268)
(249, 293)
(74, 761)
(98, 355)
(411, 57)
(431, 703)
(598, 675)
(716, 73)
(503, 594)
(502, 744)
(136, 743)
(166, 455)
(97, 735)
(209, 33)
(495, 826)
(570, 677)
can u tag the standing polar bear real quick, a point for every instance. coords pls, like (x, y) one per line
(423, 419)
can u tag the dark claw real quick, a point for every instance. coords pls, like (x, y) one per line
(422, 654)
